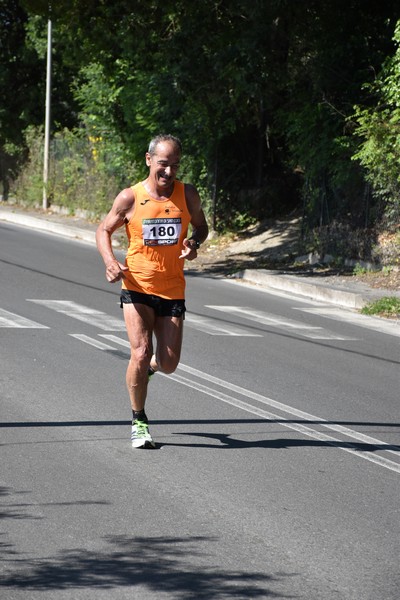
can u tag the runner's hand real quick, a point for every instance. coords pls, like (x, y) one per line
(115, 271)
(188, 252)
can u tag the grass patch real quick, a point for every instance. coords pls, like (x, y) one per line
(388, 306)
(359, 270)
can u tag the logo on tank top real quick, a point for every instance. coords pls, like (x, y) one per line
(172, 208)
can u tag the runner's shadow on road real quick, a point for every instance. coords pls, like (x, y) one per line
(226, 442)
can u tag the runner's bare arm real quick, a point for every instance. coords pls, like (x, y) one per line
(116, 218)
(198, 223)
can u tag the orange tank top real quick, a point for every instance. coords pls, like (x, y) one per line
(156, 232)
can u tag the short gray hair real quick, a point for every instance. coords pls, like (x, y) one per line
(164, 138)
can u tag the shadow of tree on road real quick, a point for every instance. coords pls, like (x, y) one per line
(163, 565)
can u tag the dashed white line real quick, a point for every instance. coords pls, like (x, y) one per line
(115, 339)
(83, 313)
(215, 327)
(264, 318)
(11, 320)
(91, 341)
(391, 327)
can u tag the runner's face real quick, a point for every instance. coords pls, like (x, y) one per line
(164, 164)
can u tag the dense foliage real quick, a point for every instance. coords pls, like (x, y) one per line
(280, 105)
(379, 128)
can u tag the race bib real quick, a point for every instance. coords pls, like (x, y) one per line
(161, 232)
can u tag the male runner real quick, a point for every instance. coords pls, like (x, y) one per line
(156, 213)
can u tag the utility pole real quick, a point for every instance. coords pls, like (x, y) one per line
(214, 193)
(47, 118)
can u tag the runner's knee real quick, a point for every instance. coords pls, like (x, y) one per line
(168, 364)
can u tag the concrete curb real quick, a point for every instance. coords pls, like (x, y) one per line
(313, 290)
(50, 226)
(43, 224)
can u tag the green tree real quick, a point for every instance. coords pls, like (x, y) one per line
(378, 127)
(20, 87)
(328, 61)
(258, 91)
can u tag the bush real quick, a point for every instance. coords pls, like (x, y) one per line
(82, 174)
(341, 241)
(27, 188)
(378, 130)
(387, 249)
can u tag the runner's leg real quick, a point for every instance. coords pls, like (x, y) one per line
(140, 321)
(168, 332)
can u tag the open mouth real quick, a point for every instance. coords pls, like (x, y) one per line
(165, 178)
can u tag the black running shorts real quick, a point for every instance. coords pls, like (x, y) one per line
(161, 306)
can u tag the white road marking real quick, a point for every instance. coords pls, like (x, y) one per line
(303, 329)
(11, 320)
(88, 315)
(282, 407)
(322, 308)
(214, 327)
(116, 339)
(336, 442)
(298, 427)
(391, 327)
(355, 435)
(91, 341)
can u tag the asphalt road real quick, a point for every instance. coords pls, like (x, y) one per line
(277, 468)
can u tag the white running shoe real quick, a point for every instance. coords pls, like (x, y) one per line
(140, 436)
